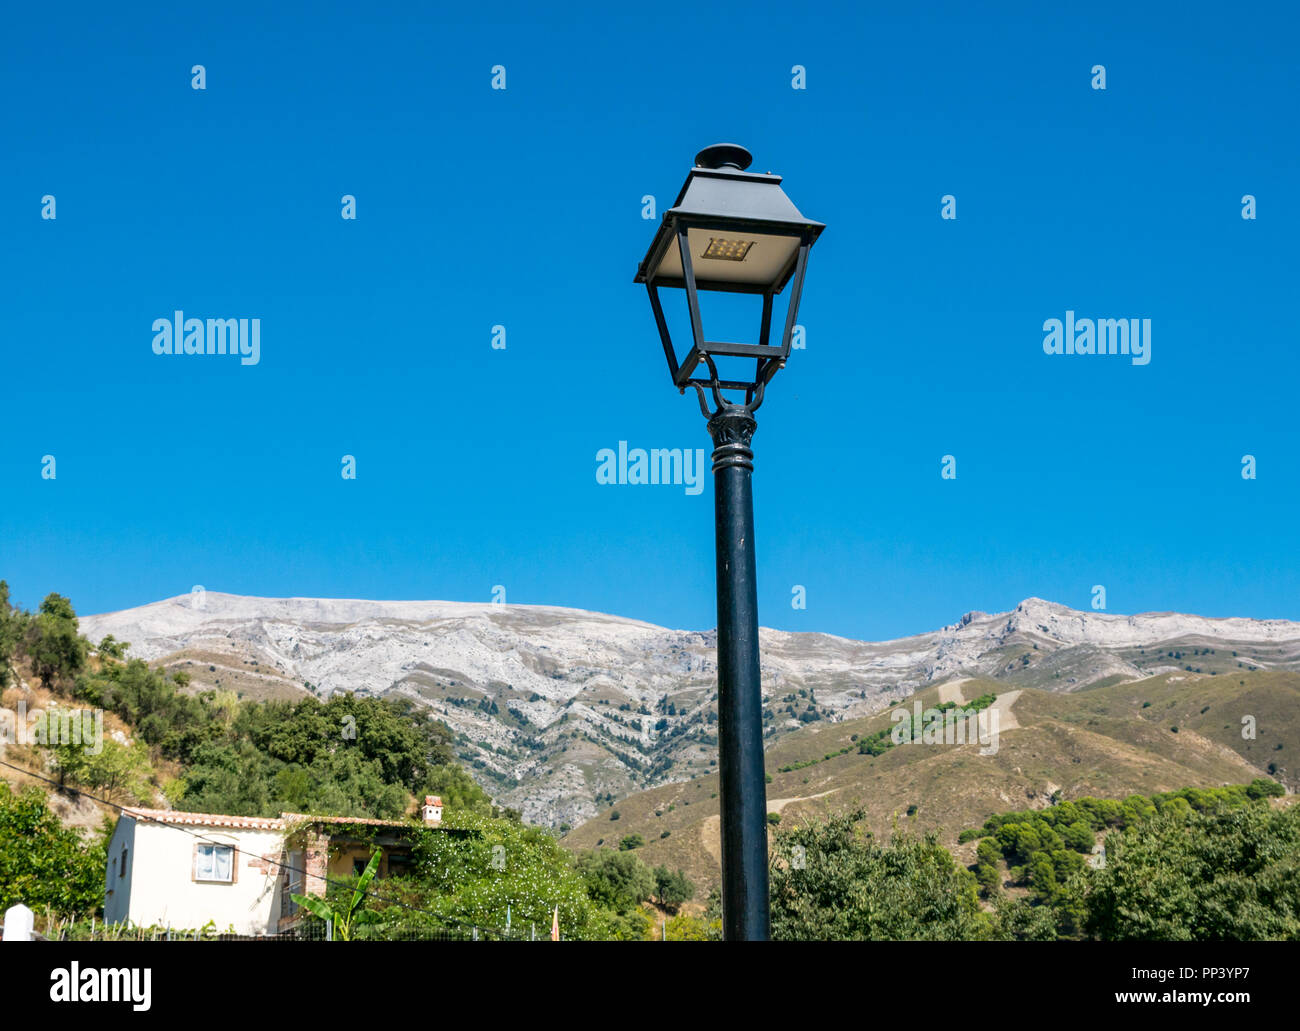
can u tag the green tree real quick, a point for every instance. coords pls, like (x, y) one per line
(42, 863)
(683, 928)
(1231, 874)
(111, 648)
(1261, 788)
(55, 647)
(349, 756)
(476, 870)
(115, 770)
(457, 789)
(672, 888)
(832, 881)
(987, 871)
(1021, 920)
(13, 627)
(1078, 836)
(618, 881)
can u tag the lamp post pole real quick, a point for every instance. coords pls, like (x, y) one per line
(735, 231)
(743, 787)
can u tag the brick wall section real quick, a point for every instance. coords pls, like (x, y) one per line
(266, 864)
(315, 862)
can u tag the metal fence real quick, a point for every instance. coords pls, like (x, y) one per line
(22, 927)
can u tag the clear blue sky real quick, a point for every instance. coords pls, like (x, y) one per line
(522, 207)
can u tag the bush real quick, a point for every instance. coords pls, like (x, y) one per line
(682, 928)
(44, 864)
(987, 874)
(672, 888)
(56, 649)
(1232, 874)
(832, 881)
(1079, 836)
(619, 881)
(1020, 920)
(460, 879)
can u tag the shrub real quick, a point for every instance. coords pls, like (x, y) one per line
(1231, 874)
(672, 888)
(842, 885)
(44, 864)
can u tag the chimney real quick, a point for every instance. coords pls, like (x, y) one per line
(431, 811)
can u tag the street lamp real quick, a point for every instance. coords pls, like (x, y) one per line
(734, 231)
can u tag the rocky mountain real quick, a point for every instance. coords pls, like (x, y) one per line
(1160, 733)
(559, 712)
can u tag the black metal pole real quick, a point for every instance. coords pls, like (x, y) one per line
(743, 787)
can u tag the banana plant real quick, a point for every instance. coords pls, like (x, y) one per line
(345, 918)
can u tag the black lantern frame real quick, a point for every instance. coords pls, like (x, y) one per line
(733, 201)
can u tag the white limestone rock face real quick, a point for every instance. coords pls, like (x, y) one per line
(589, 707)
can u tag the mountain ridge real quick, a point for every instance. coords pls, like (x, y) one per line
(560, 711)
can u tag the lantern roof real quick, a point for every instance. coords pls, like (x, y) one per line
(722, 196)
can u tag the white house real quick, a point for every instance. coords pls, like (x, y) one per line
(225, 871)
(186, 870)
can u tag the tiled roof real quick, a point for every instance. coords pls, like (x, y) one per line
(366, 820)
(261, 823)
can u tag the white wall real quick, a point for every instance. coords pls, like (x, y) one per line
(161, 888)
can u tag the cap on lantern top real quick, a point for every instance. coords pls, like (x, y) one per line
(725, 155)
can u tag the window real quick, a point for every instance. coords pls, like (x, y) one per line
(293, 872)
(214, 863)
(400, 865)
(122, 871)
(293, 875)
